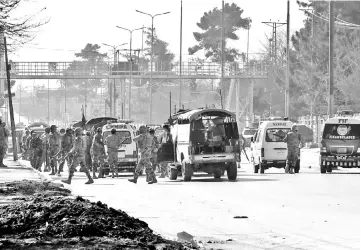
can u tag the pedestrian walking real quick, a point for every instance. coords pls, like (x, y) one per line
(88, 158)
(113, 142)
(54, 148)
(66, 144)
(36, 146)
(44, 138)
(293, 140)
(4, 135)
(77, 153)
(23, 143)
(154, 156)
(145, 143)
(97, 152)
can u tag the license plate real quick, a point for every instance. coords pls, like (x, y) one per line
(342, 150)
(121, 154)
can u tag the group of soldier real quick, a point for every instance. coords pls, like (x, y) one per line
(53, 148)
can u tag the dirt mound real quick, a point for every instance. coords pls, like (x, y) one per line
(26, 187)
(55, 220)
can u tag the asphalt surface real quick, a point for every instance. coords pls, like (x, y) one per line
(276, 210)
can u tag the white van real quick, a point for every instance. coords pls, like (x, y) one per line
(267, 146)
(128, 152)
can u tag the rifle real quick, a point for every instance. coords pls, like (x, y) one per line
(244, 151)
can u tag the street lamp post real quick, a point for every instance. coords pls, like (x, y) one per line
(151, 64)
(115, 62)
(131, 67)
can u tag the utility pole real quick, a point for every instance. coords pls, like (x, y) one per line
(19, 101)
(252, 82)
(331, 59)
(222, 49)
(12, 120)
(180, 56)
(287, 87)
(48, 103)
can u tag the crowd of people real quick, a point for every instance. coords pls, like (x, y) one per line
(49, 151)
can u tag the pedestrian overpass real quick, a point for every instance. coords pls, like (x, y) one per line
(161, 70)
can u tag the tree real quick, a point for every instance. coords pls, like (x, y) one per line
(18, 30)
(347, 52)
(91, 61)
(210, 39)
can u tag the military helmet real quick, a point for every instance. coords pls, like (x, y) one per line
(53, 127)
(113, 131)
(142, 129)
(78, 131)
(47, 130)
(294, 127)
(68, 130)
(99, 129)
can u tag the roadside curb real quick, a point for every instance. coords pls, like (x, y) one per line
(43, 177)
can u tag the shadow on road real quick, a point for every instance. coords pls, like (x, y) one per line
(222, 180)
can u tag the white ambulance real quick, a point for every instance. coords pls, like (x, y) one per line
(128, 152)
(267, 146)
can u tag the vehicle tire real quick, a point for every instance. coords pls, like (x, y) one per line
(262, 167)
(329, 168)
(323, 169)
(217, 174)
(187, 171)
(297, 167)
(232, 171)
(173, 174)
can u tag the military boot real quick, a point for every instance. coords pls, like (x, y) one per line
(90, 180)
(101, 173)
(135, 179)
(287, 168)
(94, 175)
(68, 181)
(291, 170)
(153, 179)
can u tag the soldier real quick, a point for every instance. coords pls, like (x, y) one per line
(27, 146)
(145, 144)
(98, 153)
(154, 156)
(36, 146)
(66, 145)
(293, 140)
(23, 143)
(88, 159)
(4, 134)
(113, 143)
(44, 138)
(78, 154)
(54, 148)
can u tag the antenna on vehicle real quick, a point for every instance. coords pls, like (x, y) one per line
(220, 93)
(170, 104)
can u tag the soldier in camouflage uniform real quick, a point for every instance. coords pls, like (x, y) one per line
(113, 142)
(154, 157)
(78, 154)
(293, 140)
(4, 134)
(44, 138)
(23, 144)
(145, 147)
(66, 145)
(54, 148)
(88, 158)
(36, 145)
(98, 153)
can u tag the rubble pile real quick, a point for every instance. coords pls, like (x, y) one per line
(66, 221)
(26, 187)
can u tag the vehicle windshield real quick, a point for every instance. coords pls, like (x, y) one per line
(250, 131)
(121, 134)
(276, 134)
(341, 132)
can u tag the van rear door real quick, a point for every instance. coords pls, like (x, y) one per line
(275, 149)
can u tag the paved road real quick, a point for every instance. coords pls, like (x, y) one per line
(303, 211)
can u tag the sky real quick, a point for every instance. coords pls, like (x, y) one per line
(74, 23)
